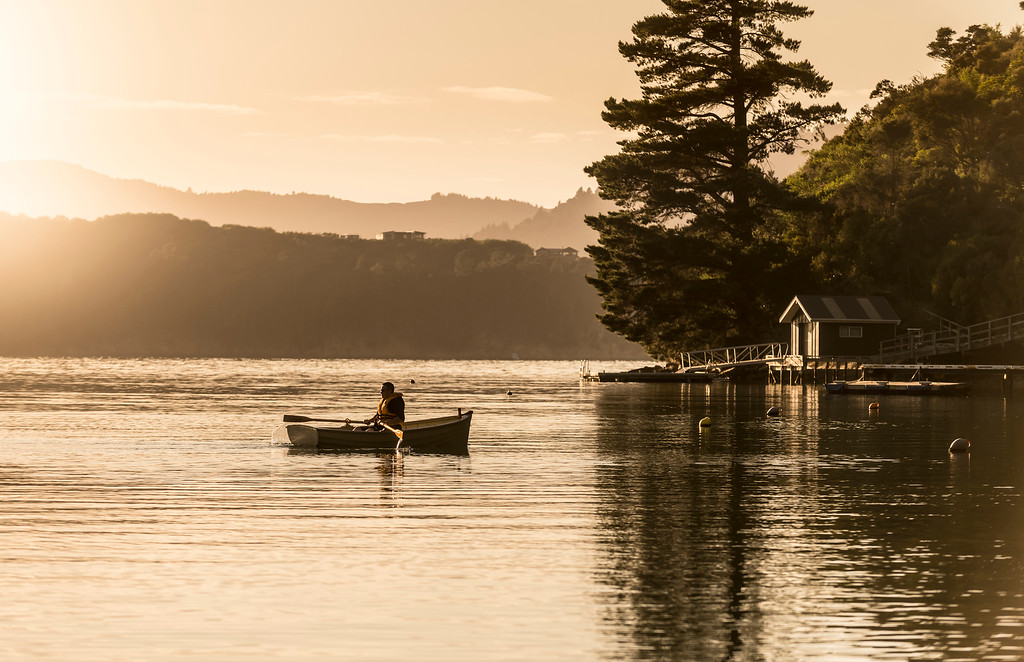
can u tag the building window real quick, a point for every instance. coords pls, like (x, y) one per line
(851, 332)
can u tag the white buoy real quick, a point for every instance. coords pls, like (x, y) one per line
(960, 445)
(772, 411)
(705, 422)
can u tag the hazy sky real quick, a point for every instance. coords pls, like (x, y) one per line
(377, 101)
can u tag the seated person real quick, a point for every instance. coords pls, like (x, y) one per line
(390, 410)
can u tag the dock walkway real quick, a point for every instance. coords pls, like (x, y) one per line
(952, 338)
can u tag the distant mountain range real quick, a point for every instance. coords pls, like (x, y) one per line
(54, 188)
(559, 227)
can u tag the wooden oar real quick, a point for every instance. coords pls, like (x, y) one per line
(292, 418)
(398, 433)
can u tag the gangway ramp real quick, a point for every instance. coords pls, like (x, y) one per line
(723, 358)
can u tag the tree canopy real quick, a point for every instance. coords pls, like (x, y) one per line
(922, 197)
(692, 256)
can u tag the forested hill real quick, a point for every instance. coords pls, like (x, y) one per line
(922, 197)
(158, 285)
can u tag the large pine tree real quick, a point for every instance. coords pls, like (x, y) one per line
(690, 258)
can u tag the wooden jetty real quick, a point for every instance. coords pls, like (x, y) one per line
(794, 370)
(850, 371)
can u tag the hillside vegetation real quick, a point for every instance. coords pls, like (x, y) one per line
(922, 198)
(158, 285)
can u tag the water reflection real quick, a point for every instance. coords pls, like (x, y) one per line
(674, 527)
(829, 531)
(596, 522)
(390, 468)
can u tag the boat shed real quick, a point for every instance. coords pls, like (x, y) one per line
(830, 327)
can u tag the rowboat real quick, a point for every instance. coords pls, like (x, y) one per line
(444, 434)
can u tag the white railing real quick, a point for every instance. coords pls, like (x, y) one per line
(726, 357)
(953, 339)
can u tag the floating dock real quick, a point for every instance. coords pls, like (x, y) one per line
(660, 377)
(894, 377)
(654, 375)
(910, 388)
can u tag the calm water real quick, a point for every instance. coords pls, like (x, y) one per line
(146, 515)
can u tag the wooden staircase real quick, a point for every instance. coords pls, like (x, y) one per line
(952, 338)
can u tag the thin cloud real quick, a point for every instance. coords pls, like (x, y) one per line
(162, 105)
(363, 98)
(386, 138)
(503, 94)
(548, 138)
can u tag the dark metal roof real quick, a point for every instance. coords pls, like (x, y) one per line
(840, 309)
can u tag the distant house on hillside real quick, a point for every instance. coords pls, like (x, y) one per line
(838, 326)
(559, 252)
(392, 235)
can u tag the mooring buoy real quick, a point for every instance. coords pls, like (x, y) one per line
(772, 411)
(705, 422)
(960, 445)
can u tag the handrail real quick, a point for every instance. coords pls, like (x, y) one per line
(953, 340)
(721, 357)
(944, 324)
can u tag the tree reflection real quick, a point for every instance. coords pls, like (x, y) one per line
(828, 531)
(675, 519)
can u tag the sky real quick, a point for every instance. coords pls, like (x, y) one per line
(378, 101)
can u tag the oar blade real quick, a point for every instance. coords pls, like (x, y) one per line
(398, 433)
